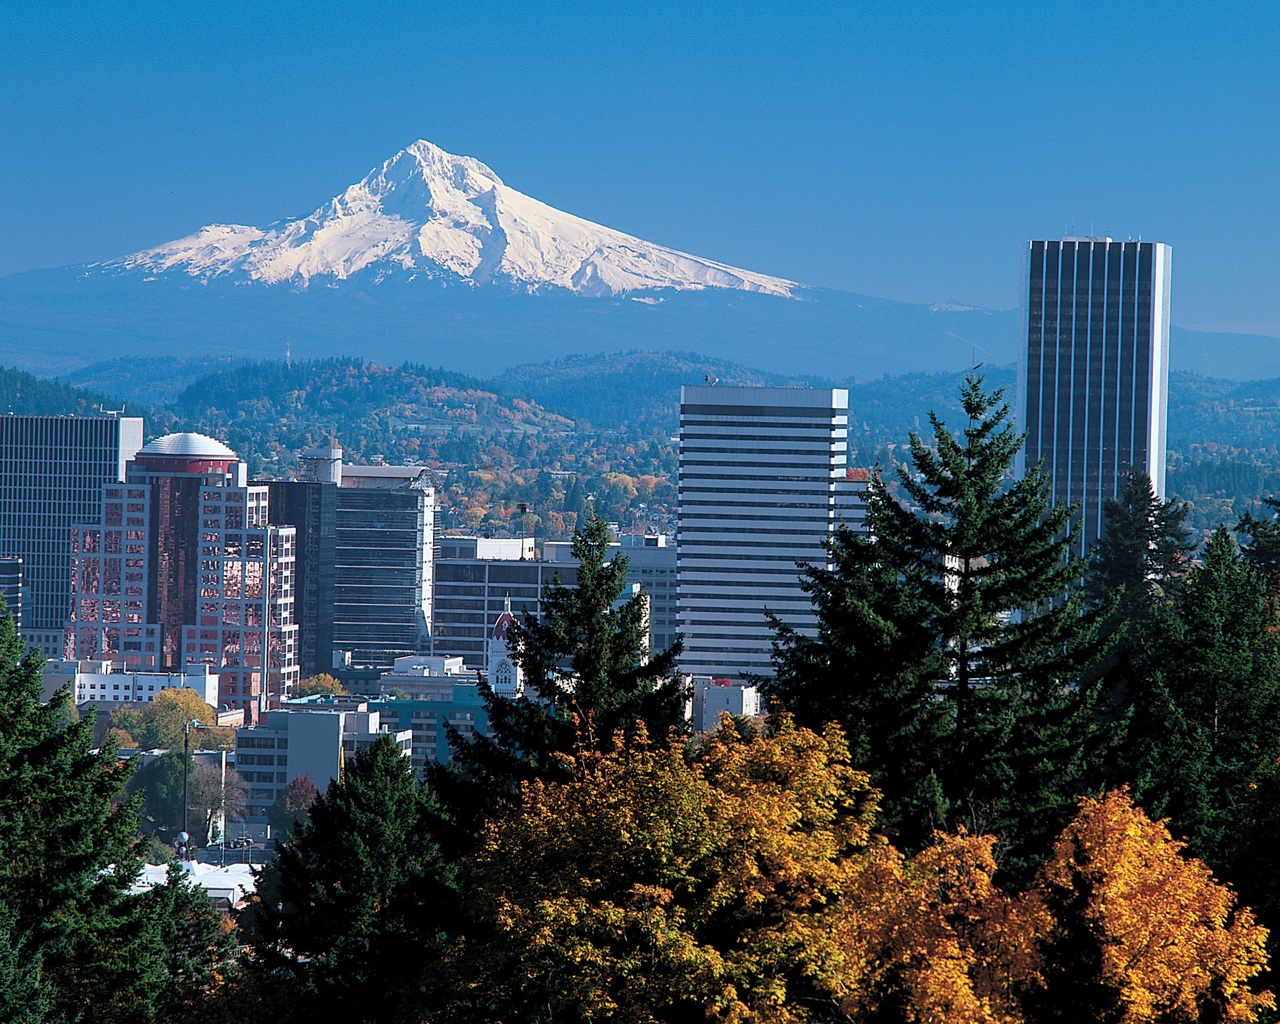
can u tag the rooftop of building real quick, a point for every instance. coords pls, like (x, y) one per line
(189, 445)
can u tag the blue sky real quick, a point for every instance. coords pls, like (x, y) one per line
(897, 150)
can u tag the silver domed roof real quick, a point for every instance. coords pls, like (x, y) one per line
(192, 446)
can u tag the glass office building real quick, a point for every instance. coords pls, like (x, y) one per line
(1095, 369)
(182, 568)
(52, 469)
(382, 572)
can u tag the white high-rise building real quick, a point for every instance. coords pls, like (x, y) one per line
(761, 478)
(1094, 375)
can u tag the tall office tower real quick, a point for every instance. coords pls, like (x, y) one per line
(760, 475)
(1094, 380)
(52, 469)
(311, 507)
(382, 571)
(182, 568)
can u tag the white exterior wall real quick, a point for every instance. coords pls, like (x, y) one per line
(759, 469)
(109, 683)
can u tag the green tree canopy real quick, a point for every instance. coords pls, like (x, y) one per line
(1207, 726)
(350, 914)
(586, 663)
(68, 858)
(965, 603)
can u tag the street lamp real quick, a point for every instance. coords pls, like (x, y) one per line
(184, 839)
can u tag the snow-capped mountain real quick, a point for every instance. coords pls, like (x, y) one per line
(428, 214)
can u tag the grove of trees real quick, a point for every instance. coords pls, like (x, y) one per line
(1003, 783)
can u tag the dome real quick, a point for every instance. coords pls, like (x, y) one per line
(189, 446)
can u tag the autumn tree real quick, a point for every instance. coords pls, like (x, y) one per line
(1138, 932)
(291, 806)
(159, 723)
(646, 887)
(321, 683)
(746, 883)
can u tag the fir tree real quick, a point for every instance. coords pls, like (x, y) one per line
(978, 568)
(586, 666)
(1140, 564)
(1262, 548)
(68, 857)
(873, 668)
(350, 913)
(1208, 727)
(1144, 548)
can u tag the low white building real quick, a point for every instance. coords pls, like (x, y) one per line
(712, 698)
(107, 681)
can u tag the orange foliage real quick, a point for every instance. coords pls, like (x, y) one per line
(747, 885)
(1150, 928)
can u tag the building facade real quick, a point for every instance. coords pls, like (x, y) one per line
(104, 681)
(311, 508)
(759, 491)
(313, 741)
(184, 568)
(382, 573)
(651, 562)
(13, 588)
(471, 593)
(1095, 370)
(52, 469)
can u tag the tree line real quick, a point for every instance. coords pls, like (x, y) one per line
(1001, 783)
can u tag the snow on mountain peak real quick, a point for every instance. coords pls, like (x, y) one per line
(427, 213)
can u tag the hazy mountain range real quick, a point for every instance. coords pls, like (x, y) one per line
(431, 258)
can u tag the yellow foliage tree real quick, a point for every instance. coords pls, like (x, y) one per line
(651, 888)
(1140, 933)
(746, 885)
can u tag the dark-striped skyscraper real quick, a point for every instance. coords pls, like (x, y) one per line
(1095, 368)
(52, 469)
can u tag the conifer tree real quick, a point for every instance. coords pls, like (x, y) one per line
(1144, 548)
(873, 668)
(1208, 727)
(349, 914)
(983, 575)
(68, 856)
(586, 665)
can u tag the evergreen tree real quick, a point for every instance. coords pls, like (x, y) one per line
(350, 913)
(873, 668)
(68, 857)
(1208, 729)
(1144, 548)
(586, 665)
(978, 579)
(1140, 563)
(1262, 548)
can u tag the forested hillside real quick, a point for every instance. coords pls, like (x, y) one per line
(558, 435)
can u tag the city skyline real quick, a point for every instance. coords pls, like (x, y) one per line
(871, 151)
